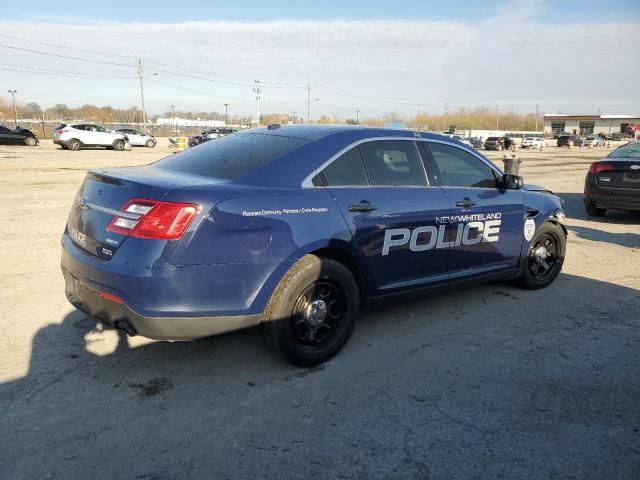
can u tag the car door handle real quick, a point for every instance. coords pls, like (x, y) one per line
(465, 203)
(362, 207)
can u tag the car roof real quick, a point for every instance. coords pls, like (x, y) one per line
(314, 132)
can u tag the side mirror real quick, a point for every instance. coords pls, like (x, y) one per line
(512, 182)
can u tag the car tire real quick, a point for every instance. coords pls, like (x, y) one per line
(312, 312)
(118, 145)
(545, 256)
(594, 211)
(73, 144)
(150, 144)
(30, 141)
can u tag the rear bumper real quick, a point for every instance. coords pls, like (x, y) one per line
(121, 316)
(605, 197)
(602, 201)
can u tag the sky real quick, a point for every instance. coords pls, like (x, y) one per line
(375, 57)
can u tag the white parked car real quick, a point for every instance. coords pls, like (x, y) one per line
(533, 142)
(77, 136)
(593, 141)
(137, 138)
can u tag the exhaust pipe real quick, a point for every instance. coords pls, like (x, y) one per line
(126, 328)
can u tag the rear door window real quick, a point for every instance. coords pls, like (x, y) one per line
(79, 127)
(348, 169)
(232, 156)
(393, 163)
(459, 168)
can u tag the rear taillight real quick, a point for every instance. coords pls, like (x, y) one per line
(596, 168)
(154, 220)
(59, 132)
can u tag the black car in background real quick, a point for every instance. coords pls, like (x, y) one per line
(210, 135)
(475, 142)
(571, 139)
(614, 181)
(19, 136)
(494, 143)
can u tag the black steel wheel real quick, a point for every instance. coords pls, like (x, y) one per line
(545, 256)
(319, 314)
(312, 311)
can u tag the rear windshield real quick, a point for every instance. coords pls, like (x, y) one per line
(492, 139)
(628, 151)
(233, 156)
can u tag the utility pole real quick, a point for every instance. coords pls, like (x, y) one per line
(258, 91)
(141, 75)
(226, 113)
(295, 117)
(174, 127)
(497, 118)
(537, 114)
(357, 116)
(44, 135)
(446, 112)
(15, 110)
(308, 101)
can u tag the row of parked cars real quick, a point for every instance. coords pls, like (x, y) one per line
(77, 136)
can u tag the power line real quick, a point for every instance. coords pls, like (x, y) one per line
(196, 91)
(66, 47)
(87, 75)
(67, 56)
(104, 77)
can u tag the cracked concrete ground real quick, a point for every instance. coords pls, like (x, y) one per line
(487, 382)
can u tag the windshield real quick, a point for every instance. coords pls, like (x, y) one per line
(631, 150)
(233, 156)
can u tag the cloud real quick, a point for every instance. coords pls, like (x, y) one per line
(515, 58)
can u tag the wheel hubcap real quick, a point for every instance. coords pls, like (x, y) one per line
(316, 312)
(319, 314)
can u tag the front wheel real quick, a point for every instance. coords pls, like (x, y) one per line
(118, 145)
(150, 144)
(545, 257)
(30, 141)
(312, 311)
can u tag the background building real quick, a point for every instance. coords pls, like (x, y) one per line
(584, 125)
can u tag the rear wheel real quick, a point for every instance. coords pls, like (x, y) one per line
(594, 211)
(30, 141)
(545, 257)
(73, 144)
(150, 144)
(312, 311)
(118, 145)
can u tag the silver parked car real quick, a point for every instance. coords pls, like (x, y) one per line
(137, 138)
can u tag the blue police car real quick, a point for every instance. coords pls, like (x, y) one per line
(295, 229)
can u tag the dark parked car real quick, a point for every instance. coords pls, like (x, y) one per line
(210, 135)
(614, 181)
(565, 140)
(19, 136)
(494, 143)
(475, 142)
(617, 136)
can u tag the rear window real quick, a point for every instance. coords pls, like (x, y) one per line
(233, 156)
(628, 151)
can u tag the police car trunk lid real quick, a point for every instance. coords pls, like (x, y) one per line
(103, 195)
